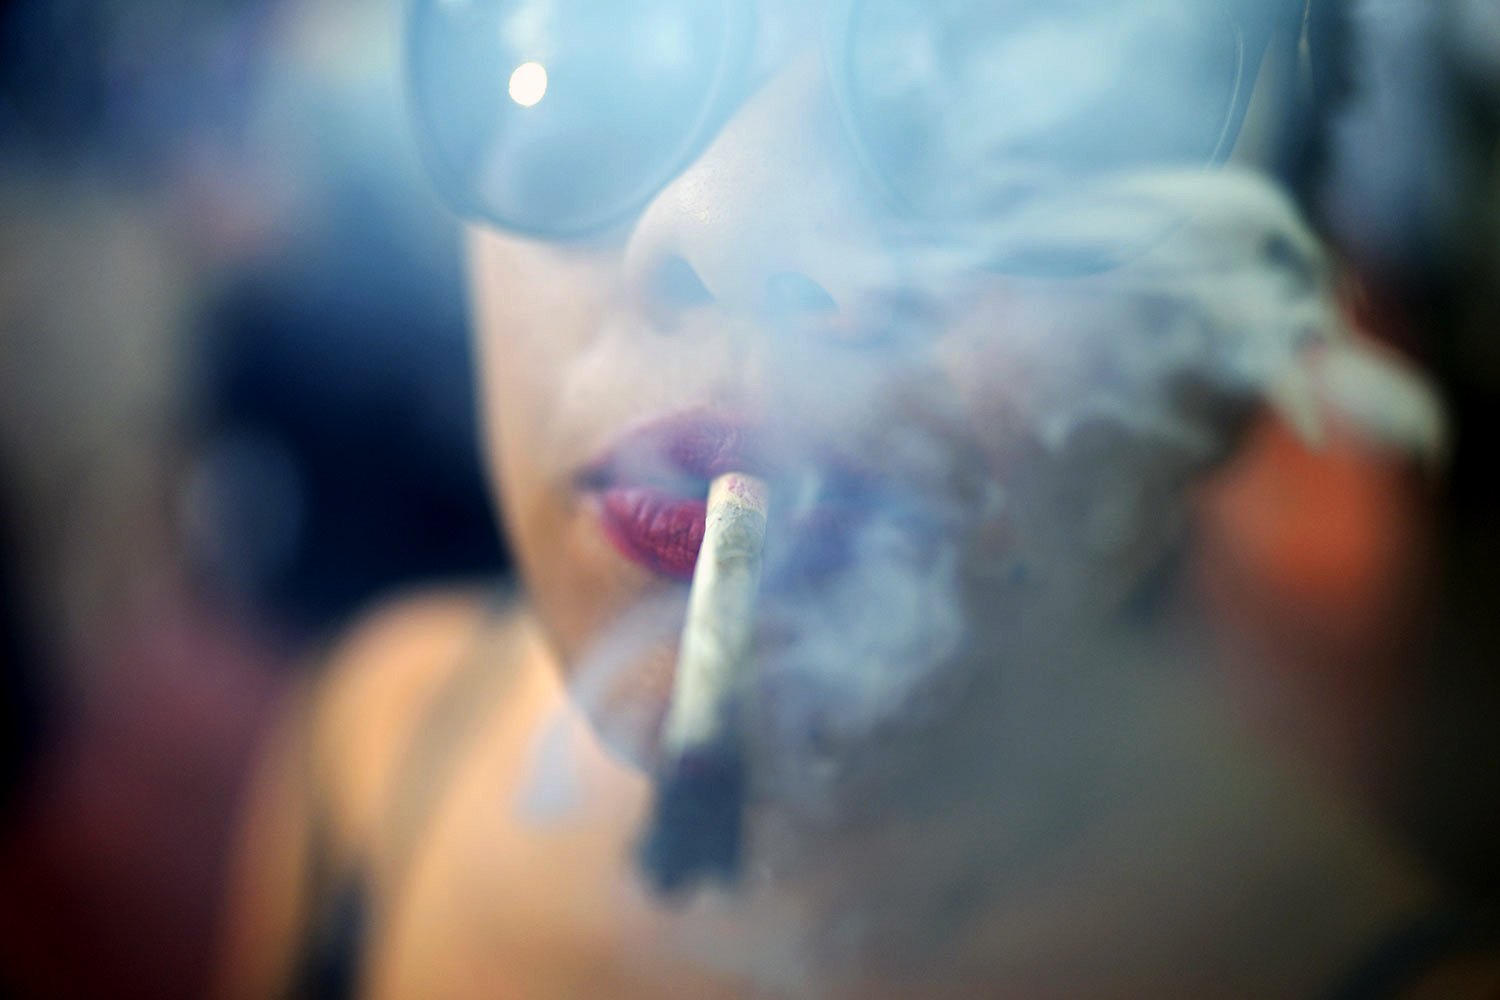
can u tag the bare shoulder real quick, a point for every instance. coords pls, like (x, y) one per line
(385, 678)
(405, 647)
(319, 797)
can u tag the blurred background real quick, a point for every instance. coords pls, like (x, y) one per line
(235, 407)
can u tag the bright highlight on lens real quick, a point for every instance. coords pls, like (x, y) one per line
(528, 84)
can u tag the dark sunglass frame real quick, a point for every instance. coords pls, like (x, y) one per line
(1255, 25)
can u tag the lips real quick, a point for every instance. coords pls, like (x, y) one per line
(654, 528)
(651, 487)
(650, 493)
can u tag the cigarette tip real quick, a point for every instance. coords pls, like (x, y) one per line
(746, 490)
(695, 828)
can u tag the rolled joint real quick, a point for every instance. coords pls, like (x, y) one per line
(713, 657)
(695, 827)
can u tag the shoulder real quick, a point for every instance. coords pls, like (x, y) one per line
(406, 645)
(381, 685)
(321, 792)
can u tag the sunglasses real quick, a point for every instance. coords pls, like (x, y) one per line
(559, 119)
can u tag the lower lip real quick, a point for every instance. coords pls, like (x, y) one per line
(663, 532)
(654, 529)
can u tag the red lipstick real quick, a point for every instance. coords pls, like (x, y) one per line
(652, 487)
(650, 492)
(654, 528)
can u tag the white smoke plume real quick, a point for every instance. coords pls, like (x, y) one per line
(893, 689)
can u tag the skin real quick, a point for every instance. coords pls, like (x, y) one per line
(580, 343)
(1113, 802)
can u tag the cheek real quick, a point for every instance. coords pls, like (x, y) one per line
(1005, 358)
(535, 309)
(1091, 501)
(541, 316)
(521, 362)
(534, 313)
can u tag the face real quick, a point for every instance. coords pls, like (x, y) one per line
(953, 449)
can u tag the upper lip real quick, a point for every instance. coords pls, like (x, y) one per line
(820, 496)
(680, 454)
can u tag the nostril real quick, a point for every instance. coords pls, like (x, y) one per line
(676, 284)
(790, 294)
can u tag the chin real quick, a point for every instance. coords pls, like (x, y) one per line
(622, 682)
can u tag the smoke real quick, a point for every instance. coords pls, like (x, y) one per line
(947, 694)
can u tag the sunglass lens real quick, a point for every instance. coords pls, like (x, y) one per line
(964, 107)
(559, 117)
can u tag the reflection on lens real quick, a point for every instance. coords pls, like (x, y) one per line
(528, 84)
(560, 118)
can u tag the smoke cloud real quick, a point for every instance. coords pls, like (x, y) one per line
(953, 695)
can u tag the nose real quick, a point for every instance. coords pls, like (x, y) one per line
(768, 224)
